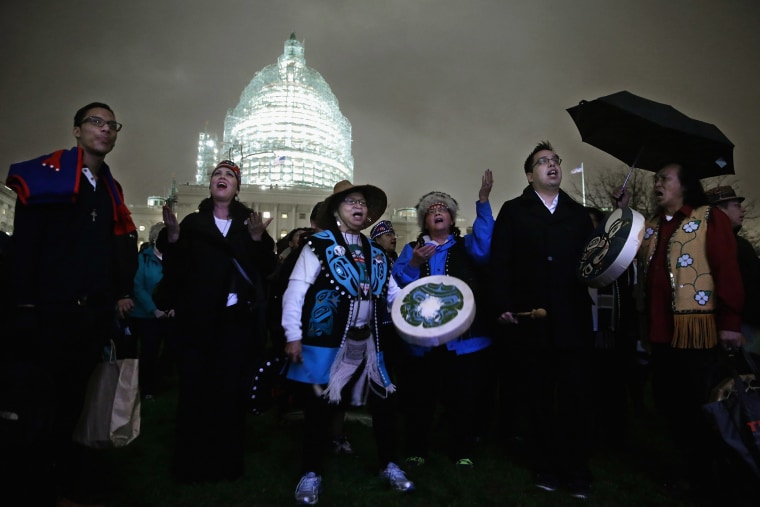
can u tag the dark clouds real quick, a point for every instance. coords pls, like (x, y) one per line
(436, 91)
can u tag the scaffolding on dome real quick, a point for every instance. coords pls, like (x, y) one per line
(286, 131)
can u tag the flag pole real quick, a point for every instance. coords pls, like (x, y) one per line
(583, 184)
(579, 169)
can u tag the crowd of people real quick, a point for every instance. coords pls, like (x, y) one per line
(213, 291)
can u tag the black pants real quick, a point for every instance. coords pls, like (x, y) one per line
(60, 354)
(560, 412)
(613, 372)
(458, 382)
(682, 380)
(211, 409)
(318, 415)
(152, 335)
(509, 382)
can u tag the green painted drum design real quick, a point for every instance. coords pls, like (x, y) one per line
(433, 310)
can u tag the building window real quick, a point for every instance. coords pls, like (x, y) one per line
(284, 215)
(302, 216)
(266, 214)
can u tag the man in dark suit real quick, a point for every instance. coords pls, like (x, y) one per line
(536, 248)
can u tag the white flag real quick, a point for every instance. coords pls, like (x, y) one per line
(577, 170)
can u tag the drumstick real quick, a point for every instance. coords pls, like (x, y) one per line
(536, 313)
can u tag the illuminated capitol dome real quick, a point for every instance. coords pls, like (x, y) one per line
(286, 132)
(292, 144)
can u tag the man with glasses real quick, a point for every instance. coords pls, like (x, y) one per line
(75, 255)
(536, 248)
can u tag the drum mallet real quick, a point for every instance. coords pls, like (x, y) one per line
(536, 313)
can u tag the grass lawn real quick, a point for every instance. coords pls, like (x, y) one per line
(273, 453)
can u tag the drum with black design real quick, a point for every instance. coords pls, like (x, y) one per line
(612, 247)
(433, 310)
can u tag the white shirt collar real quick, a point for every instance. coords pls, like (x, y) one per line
(90, 177)
(551, 207)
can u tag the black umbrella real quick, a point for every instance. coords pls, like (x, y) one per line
(647, 134)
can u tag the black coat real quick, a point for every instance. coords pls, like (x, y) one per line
(200, 270)
(534, 258)
(749, 266)
(61, 253)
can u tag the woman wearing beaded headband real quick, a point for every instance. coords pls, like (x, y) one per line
(215, 262)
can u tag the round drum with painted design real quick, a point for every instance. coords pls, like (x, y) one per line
(612, 247)
(433, 310)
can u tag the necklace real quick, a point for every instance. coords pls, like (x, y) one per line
(352, 238)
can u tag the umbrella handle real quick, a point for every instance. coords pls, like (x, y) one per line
(627, 177)
(630, 169)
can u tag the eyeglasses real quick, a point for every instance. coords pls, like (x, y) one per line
(355, 202)
(546, 160)
(99, 122)
(432, 210)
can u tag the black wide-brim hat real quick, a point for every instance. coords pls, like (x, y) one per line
(376, 199)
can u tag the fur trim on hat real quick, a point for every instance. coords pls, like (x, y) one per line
(154, 230)
(376, 199)
(432, 198)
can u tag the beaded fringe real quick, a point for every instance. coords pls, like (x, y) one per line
(694, 331)
(345, 366)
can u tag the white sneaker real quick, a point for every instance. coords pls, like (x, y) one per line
(397, 478)
(307, 491)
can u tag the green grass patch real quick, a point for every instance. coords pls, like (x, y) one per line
(143, 478)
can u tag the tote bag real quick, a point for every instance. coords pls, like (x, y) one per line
(111, 413)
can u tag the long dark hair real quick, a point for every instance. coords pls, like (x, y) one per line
(691, 187)
(238, 210)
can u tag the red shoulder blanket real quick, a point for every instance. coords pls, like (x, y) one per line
(55, 178)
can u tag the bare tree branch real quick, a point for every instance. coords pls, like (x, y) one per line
(603, 181)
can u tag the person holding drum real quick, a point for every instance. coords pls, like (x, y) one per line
(334, 341)
(537, 244)
(455, 370)
(613, 358)
(693, 302)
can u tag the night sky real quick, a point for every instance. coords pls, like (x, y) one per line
(436, 91)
